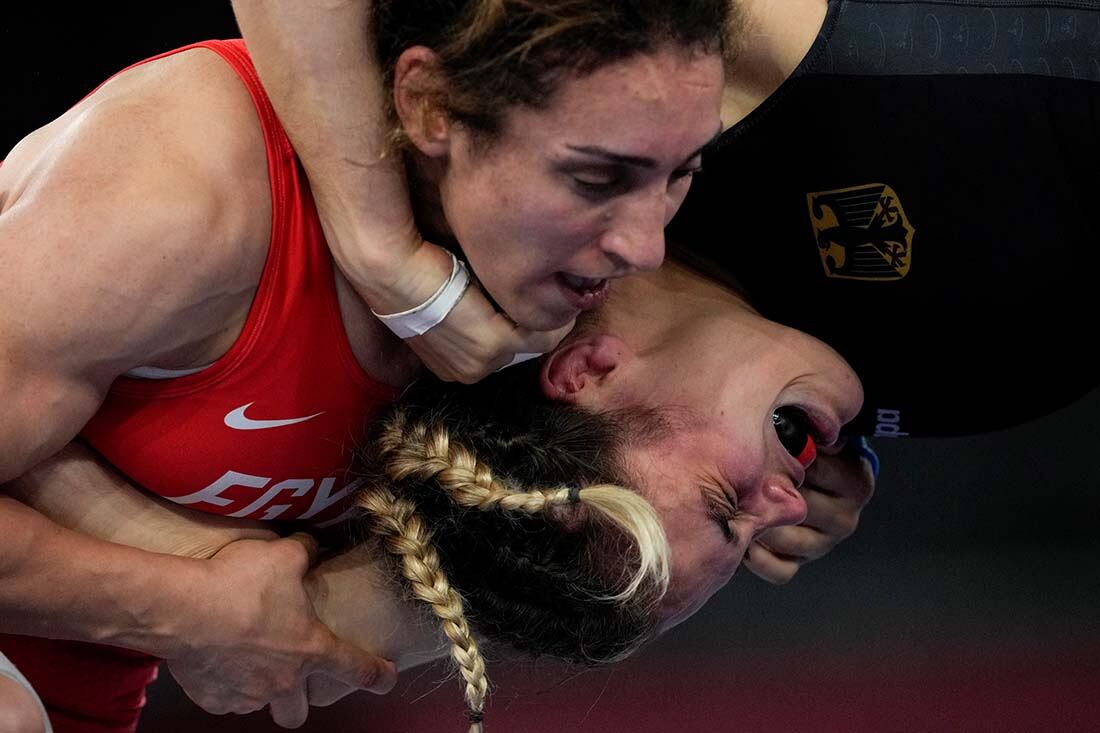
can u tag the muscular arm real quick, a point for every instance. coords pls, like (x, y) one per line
(78, 491)
(97, 209)
(343, 590)
(316, 61)
(317, 64)
(247, 616)
(101, 210)
(127, 232)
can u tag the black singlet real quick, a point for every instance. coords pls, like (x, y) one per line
(924, 195)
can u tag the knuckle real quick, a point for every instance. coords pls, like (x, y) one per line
(244, 706)
(369, 677)
(286, 684)
(786, 578)
(861, 487)
(469, 378)
(214, 707)
(846, 526)
(804, 548)
(853, 523)
(782, 576)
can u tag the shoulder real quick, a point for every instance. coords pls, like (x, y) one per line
(186, 127)
(159, 176)
(137, 223)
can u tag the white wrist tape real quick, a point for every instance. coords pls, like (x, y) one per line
(521, 357)
(429, 314)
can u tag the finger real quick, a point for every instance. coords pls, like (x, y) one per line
(308, 543)
(223, 702)
(843, 476)
(356, 668)
(862, 448)
(238, 706)
(799, 544)
(830, 515)
(767, 566)
(324, 691)
(290, 711)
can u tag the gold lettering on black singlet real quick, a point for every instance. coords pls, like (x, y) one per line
(862, 232)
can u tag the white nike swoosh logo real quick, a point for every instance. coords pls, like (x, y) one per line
(238, 421)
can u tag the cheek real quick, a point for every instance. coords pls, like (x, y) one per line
(702, 560)
(519, 223)
(699, 570)
(677, 193)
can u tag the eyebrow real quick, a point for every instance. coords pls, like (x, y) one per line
(638, 161)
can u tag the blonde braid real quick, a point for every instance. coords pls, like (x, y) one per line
(415, 452)
(409, 539)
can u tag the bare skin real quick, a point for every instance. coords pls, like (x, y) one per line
(19, 713)
(161, 174)
(54, 376)
(328, 100)
(374, 617)
(722, 433)
(776, 36)
(71, 209)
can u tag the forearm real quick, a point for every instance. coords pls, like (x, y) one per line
(324, 82)
(234, 627)
(78, 491)
(65, 573)
(60, 584)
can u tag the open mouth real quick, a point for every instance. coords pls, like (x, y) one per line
(583, 293)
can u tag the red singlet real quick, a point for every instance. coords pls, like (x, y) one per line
(263, 433)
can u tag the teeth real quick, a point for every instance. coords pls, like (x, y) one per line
(582, 283)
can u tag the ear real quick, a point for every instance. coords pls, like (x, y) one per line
(577, 369)
(415, 85)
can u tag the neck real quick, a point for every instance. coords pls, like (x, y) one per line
(355, 595)
(776, 35)
(424, 175)
(654, 307)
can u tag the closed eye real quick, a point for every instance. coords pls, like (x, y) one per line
(592, 187)
(685, 173)
(721, 510)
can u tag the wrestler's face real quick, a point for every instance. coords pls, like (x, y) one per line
(578, 193)
(719, 474)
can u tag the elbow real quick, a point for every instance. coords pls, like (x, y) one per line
(19, 710)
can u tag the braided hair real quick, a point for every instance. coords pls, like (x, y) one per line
(506, 511)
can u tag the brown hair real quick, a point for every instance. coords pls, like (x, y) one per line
(545, 550)
(496, 53)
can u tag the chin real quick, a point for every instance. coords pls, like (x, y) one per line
(533, 317)
(675, 612)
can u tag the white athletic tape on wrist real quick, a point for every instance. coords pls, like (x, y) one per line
(521, 357)
(429, 314)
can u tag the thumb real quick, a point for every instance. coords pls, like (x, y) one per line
(350, 665)
(308, 543)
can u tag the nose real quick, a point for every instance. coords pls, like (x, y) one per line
(635, 235)
(775, 503)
